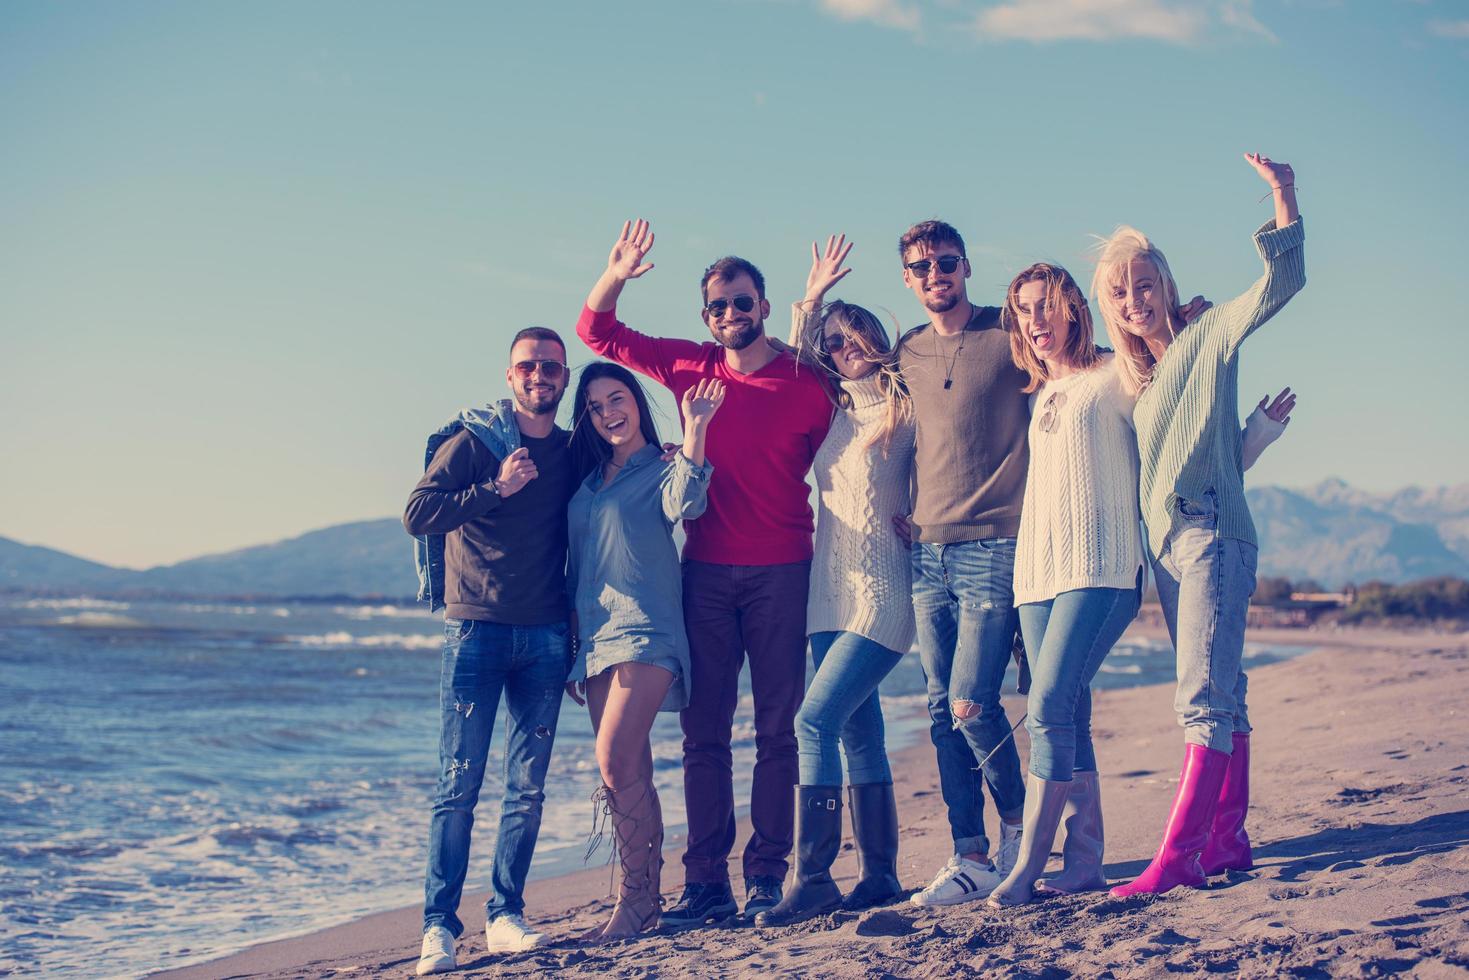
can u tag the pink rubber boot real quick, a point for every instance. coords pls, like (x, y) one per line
(1177, 860)
(1229, 846)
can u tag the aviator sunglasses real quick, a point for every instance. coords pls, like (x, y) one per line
(550, 370)
(716, 307)
(946, 264)
(1051, 411)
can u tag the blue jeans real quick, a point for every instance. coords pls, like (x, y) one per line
(481, 660)
(1066, 639)
(842, 704)
(1204, 586)
(964, 603)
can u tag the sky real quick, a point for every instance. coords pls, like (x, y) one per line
(253, 253)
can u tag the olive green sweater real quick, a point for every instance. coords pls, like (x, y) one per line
(1187, 419)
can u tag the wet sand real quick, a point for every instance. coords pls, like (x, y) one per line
(1360, 820)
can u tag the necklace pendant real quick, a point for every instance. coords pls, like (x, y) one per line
(948, 383)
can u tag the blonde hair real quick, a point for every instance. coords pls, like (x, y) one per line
(1114, 258)
(1063, 295)
(861, 327)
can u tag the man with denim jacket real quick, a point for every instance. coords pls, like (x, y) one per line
(496, 489)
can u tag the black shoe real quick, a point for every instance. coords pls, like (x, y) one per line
(762, 892)
(818, 838)
(875, 827)
(700, 903)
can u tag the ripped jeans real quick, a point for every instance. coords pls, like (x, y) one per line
(965, 607)
(481, 660)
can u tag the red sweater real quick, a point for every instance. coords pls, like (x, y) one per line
(761, 443)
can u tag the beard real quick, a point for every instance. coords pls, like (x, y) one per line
(537, 400)
(941, 304)
(740, 335)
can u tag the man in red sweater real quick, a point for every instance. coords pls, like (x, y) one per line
(746, 564)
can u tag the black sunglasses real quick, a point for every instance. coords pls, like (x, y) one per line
(834, 343)
(716, 307)
(946, 264)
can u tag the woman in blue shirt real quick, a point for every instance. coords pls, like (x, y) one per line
(624, 578)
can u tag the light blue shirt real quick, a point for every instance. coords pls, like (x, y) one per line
(623, 572)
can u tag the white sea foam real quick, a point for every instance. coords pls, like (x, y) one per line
(228, 610)
(384, 611)
(98, 620)
(341, 638)
(81, 602)
(1121, 668)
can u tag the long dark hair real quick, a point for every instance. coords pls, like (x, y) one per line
(588, 449)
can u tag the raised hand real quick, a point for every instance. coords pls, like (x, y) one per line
(1279, 410)
(1277, 175)
(826, 269)
(625, 261)
(702, 400)
(517, 470)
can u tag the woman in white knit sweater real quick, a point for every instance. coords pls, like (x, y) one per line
(860, 614)
(1079, 558)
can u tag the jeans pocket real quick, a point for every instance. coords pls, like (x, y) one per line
(458, 630)
(1202, 511)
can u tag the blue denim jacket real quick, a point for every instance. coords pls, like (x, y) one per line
(495, 426)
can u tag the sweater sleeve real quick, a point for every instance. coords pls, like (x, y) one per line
(655, 357)
(457, 487)
(1285, 275)
(685, 489)
(1259, 432)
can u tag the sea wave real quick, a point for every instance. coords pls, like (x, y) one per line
(341, 638)
(82, 602)
(383, 612)
(1122, 668)
(100, 620)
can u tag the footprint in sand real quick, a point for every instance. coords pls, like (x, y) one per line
(1286, 892)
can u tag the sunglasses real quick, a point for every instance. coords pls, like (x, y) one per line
(716, 307)
(946, 264)
(1051, 410)
(550, 370)
(834, 343)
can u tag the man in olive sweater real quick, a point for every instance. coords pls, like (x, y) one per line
(969, 473)
(498, 491)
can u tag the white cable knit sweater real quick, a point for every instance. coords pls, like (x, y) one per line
(1079, 523)
(862, 573)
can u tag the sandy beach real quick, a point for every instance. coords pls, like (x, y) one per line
(1360, 821)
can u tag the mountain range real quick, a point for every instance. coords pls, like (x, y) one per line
(1332, 533)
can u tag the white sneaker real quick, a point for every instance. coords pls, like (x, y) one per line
(1009, 851)
(437, 955)
(961, 880)
(510, 934)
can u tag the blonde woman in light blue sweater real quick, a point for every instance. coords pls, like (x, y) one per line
(1200, 537)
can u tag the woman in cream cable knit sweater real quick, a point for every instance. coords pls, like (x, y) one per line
(860, 614)
(1078, 568)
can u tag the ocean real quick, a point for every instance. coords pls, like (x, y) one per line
(182, 780)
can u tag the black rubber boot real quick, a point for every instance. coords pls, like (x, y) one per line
(875, 828)
(818, 837)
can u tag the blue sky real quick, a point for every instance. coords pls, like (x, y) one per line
(252, 253)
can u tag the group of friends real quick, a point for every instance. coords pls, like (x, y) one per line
(992, 473)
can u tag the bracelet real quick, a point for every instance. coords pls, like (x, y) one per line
(1274, 189)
